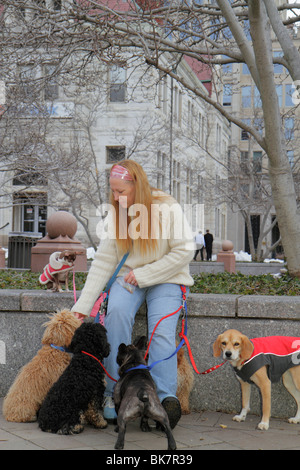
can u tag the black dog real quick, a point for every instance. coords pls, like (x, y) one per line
(135, 394)
(81, 386)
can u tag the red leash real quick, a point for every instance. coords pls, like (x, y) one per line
(163, 318)
(88, 354)
(183, 336)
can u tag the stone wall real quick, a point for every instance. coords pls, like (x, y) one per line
(22, 314)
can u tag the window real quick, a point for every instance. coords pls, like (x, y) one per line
(245, 134)
(289, 90)
(290, 155)
(257, 100)
(30, 212)
(161, 170)
(246, 96)
(200, 190)
(289, 128)
(279, 94)
(27, 88)
(117, 90)
(188, 185)
(51, 86)
(257, 162)
(245, 162)
(227, 95)
(176, 180)
(255, 225)
(177, 108)
(245, 70)
(115, 154)
(259, 124)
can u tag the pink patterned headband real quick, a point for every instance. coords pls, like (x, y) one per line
(120, 172)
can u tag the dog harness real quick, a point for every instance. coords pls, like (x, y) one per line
(55, 266)
(278, 353)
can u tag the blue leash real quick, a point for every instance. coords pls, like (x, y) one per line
(108, 286)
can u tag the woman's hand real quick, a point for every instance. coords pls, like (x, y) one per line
(80, 316)
(130, 278)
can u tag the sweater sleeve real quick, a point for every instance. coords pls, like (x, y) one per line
(101, 270)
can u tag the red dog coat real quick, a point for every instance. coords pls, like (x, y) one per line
(54, 266)
(278, 353)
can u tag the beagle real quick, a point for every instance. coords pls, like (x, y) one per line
(262, 361)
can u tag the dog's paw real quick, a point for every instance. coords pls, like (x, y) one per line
(119, 444)
(239, 418)
(262, 426)
(69, 430)
(294, 420)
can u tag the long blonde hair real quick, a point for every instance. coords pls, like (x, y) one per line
(144, 197)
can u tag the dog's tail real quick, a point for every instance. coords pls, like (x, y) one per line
(143, 395)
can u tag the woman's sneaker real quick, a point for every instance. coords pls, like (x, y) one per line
(109, 412)
(173, 409)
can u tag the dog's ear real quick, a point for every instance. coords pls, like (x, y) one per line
(141, 343)
(122, 348)
(217, 347)
(246, 348)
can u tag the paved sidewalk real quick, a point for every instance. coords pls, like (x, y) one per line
(197, 431)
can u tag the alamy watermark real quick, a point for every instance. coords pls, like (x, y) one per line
(296, 92)
(166, 221)
(295, 356)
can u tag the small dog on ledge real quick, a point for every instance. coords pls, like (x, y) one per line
(56, 272)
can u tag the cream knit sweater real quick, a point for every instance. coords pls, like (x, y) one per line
(169, 263)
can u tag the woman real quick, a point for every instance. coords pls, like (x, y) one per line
(150, 226)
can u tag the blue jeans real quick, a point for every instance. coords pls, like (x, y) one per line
(162, 299)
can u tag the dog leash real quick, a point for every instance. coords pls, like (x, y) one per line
(94, 357)
(182, 335)
(183, 306)
(108, 286)
(184, 340)
(102, 310)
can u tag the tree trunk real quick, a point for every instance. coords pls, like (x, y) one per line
(280, 173)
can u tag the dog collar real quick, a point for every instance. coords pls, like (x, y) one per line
(60, 348)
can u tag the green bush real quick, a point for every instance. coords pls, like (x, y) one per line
(240, 284)
(222, 283)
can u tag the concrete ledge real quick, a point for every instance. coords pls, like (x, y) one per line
(23, 313)
(261, 306)
(43, 301)
(212, 305)
(215, 267)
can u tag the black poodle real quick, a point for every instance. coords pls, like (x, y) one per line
(78, 393)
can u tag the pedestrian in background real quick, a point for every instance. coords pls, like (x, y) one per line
(200, 244)
(208, 238)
